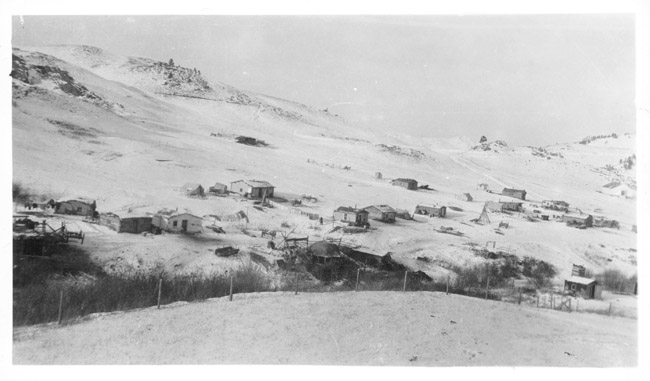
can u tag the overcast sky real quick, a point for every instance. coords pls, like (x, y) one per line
(532, 80)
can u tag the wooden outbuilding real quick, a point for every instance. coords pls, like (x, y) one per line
(493, 206)
(556, 205)
(516, 193)
(619, 189)
(178, 223)
(431, 211)
(512, 206)
(125, 222)
(586, 220)
(252, 188)
(465, 197)
(358, 217)
(585, 287)
(218, 188)
(382, 213)
(193, 189)
(409, 184)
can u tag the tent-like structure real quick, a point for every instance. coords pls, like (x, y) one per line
(483, 219)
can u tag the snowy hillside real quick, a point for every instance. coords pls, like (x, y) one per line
(129, 132)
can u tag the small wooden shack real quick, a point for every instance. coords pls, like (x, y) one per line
(358, 217)
(516, 193)
(616, 188)
(324, 252)
(556, 205)
(587, 288)
(252, 188)
(193, 189)
(218, 188)
(77, 206)
(431, 211)
(493, 206)
(382, 213)
(465, 197)
(512, 206)
(409, 184)
(178, 223)
(125, 222)
(586, 220)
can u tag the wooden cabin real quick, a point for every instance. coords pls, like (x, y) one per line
(382, 213)
(358, 217)
(431, 211)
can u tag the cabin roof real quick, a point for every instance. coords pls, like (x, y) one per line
(581, 280)
(256, 183)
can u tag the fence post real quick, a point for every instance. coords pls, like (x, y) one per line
(159, 291)
(537, 300)
(610, 309)
(356, 287)
(519, 295)
(296, 282)
(405, 275)
(60, 308)
(447, 284)
(231, 288)
(577, 304)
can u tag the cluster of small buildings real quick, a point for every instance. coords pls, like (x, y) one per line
(246, 188)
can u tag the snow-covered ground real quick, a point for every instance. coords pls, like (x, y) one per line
(134, 136)
(362, 328)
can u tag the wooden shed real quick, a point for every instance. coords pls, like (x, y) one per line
(516, 193)
(409, 184)
(77, 206)
(193, 189)
(127, 222)
(616, 188)
(218, 188)
(358, 217)
(382, 213)
(493, 206)
(512, 206)
(465, 197)
(555, 205)
(178, 223)
(252, 188)
(586, 220)
(587, 288)
(431, 211)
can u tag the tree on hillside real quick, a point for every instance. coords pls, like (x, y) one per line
(171, 62)
(483, 139)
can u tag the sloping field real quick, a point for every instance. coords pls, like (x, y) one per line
(363, 328)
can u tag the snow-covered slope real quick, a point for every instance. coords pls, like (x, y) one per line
(129, 131)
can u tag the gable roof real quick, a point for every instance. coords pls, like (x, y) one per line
(513, 190)
(403, 180)
(191, 186)
(256, 183)
(612, 184)
(581, 280)
(325, 249)
(381, 208)
(349, 209)
(76, 198)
